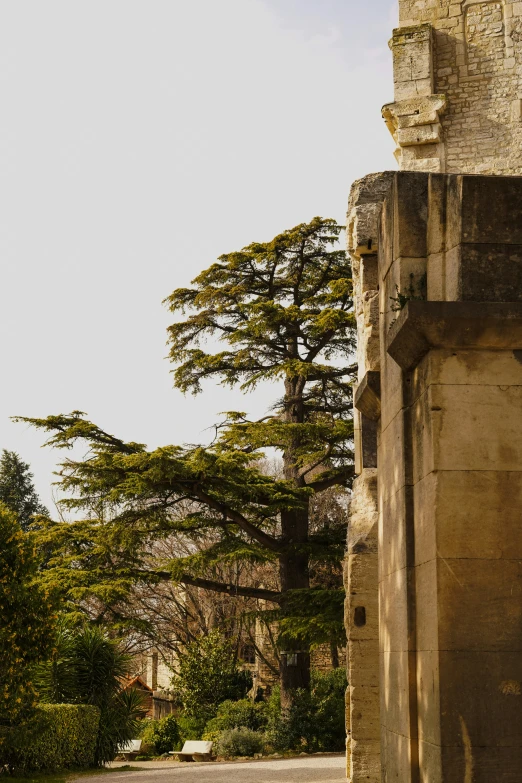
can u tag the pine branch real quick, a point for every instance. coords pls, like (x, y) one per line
(245, 592)
(220, 587)
(332, 479)
(258, 535)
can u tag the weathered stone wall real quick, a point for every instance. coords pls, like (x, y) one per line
(446, 400)
(437, 270)
(458, 86)
(154, 669)
(325, 659)
(361, 563)
(362, 621)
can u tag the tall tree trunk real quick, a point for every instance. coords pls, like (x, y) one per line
(293, 570)
(293, 563)
(334, 656)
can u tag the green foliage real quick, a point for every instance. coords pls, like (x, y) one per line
(26, 632)
(280, 311)
(161, 735)
(191, 727)
(17, 491)
(56, 678)
(278, 307)
(237, 714)
(87, 667)
(416, 291)
(66, 738)
(119, 723)
(315, 721)
(313, 616)
(208, 674)
(239, 742)
(104, 558)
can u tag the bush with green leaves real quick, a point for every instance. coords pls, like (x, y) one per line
(208, 674)
(87, 667)
(162, 736)
(239, 742)
(66, 738)
(329, 702)
(26, 633)
(316, 719)
(191, 727)
(235, 715)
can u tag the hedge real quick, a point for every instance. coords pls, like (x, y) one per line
(67, 738)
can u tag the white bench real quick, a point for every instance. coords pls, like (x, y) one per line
(194, 750)
(129, 749)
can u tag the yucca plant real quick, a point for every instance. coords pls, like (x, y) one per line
(87, 667)
(56, 680)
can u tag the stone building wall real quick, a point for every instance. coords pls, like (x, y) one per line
(324, 659)
(437, 271)
(458, 86)
(361, 563)
(437, 525)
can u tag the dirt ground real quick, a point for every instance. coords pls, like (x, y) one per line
(310, 769)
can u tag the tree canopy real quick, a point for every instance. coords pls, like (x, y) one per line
(17, 490)
(26, 632)
(277, 312)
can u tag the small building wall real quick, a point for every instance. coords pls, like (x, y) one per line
(324, 659)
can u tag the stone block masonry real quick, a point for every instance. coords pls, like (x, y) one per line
(458, 86)
(435, 541)
(433, 570)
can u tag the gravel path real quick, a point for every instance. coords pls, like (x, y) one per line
(313, 769)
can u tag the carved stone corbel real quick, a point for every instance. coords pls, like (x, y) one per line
(415, 122)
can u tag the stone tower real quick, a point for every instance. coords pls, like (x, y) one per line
(434, 559)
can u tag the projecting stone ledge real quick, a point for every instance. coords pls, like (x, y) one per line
(367, 397)
(424, 325)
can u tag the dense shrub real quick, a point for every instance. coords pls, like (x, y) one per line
(239, 742)
(146, 734)
(329, 702)
(190, 727)
(316, 720)
(26, 633)
(161, 736)
(237, 714)
(209, 675)
(66, 738)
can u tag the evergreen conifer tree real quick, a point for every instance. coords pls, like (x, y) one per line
(17, 490)
(282, 313)
(27, 630)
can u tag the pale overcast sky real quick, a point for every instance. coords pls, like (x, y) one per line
(141, 139)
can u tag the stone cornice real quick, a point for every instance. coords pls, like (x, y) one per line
(421, 326)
